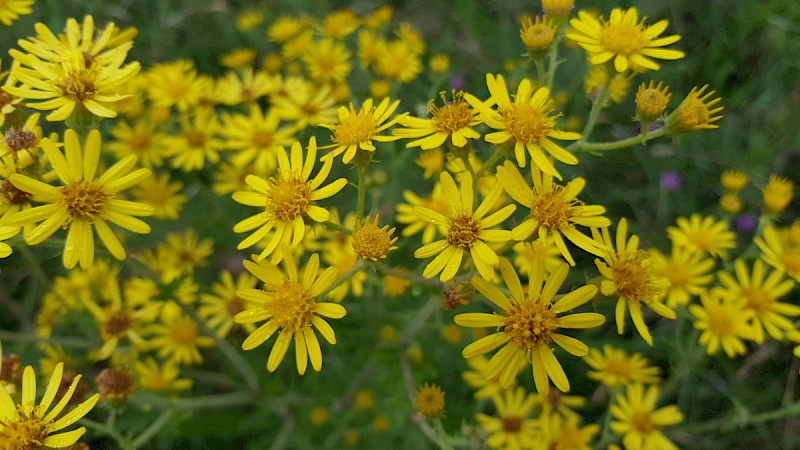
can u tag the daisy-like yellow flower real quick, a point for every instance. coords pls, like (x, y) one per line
(698, 111)
(357, 129)
(476, 378)
(430, 400)
(623, 38)
(596, 78)
(557, 8)
(686, 270)
(436, 201)
(197, 142)
(567, 433)
(288, 199)
(220, 307)
(779, 250)
(528, 123)
(615, 368)
(237, 58)
(11, 10)
(637, 420)
(162, 194)
(141, 139)
(25, 425)
(724, 320)
(339, 24)
(529, 324)
(372, 243)
(468, 230)
(284, 28)
(163, 378)
(289, 303)
(526, 253)
(452, 123)
(733, 180)
(537, 34)
(554, 209)
(512, 428)
(651, 101)
(370, 48)
(233, 90)
(777, 194)
(254, 139)
(702, 234)
(761, 293)
(630, 273)
(84, 203)
(177, 84)
(22, 143)
(327, 61)
(177, 337)
(399, 62)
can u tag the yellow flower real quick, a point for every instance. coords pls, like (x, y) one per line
(399, 62)
(247, 20)
(467, 230)
(327, 61)
(686, 270)
(370, 48)
(141, 140)
(177, 337)
(84, 203)
(10, 10)
(379, 89)
(306, 105)
(453, 124)
(761, 294)
(651, 101)
(372, 243)
(237, 58)
(777, 194)
(527, 123)
(430, 400)
(284, 28)
(289, 303)
(189, 253)
(22, 143)
(357, 129)
(557, 8)
(380, 16)
(513, 428)
(623, 38)
(177, 84)
(554, 210)
(338, 252)
(566, 433)
(6, 233)
(395, 286)
(615, 368)
(220, 307)
(537, 35)
(730, 202)
(630, 273)
(596, 78)
(637, 420)
(439, 63)
(197, 142)
(27, 426)
(529, 324)
(724, 319)
(780, 251)
(233, 90)
(164, 196)
(287, 199)
(165, 378)
(255, 138)
(436, 202)
(733, 180)
(476, 378)
(702, 234)
(696, 112)
(339, 24)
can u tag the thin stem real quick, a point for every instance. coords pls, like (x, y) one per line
(419, 320)
(154, 428)
(597, 106)
(552, 63)
(491, 162)
(615, 145)
(418, 419)
(727, 423)
(443, 436)
(216, 401)
(362, 190)
(285, 433)
(541, 76)
(33, 338)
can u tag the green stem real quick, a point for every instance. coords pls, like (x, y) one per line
(553, 60)
(726, 423)
(33, 338)
(580, 146)
(597, 106)
(122, 441)
(362, 190)
(154, 428)
(417, 418)
(541, 76)
(444, 438)
(216, 401)
(433, 305)
(491, 162)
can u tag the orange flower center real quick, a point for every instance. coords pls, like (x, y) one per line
(551, 208)
(530, 323)
(757, 299)
(184, 332)
(619, 368)
(463, 232)
(453, 116)
(20, 139)
(84, 199)
(12, 194)
(288, 198)
(356, 129)
(117, 324)
(622, 38)
(291, 306)
(262, 138)
(23, 432)
(512, 425)
(633, 276)
(372, 243)
(235, 306)
(677, 273)
(721, 322)
(195, 138)
(643, 422)
(79, 85)
(527, 123)
(140, 142)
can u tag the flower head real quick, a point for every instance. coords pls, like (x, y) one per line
(623, 38)
(288, 303)
(528, 123)
(724, 320)
(451, 123)
(698, 111)
(733, 180)
(27, 426)
(780, 250)
(537, 34)
(84, 203)
(357, 129)
(615, 368)
(288, 199)
(686, 270)
(637, 420)
(529, 324)
(430, 400)
(630, 273)
(12, 9)
(512, 428)
(651, 101)
(777, 194)
(373, 243)
(468, 230)
(554, 209)
(702, 234)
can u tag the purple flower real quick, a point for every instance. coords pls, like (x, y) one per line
(457, 82)
(746, 222)
(670, 181)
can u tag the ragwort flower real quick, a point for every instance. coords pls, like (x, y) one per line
(724, 320)
(288, 199)
(357, 129)
(529, 324)
(84, 203)
(289, 303)
(527, 123)
(452, 123)
(636, 418)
